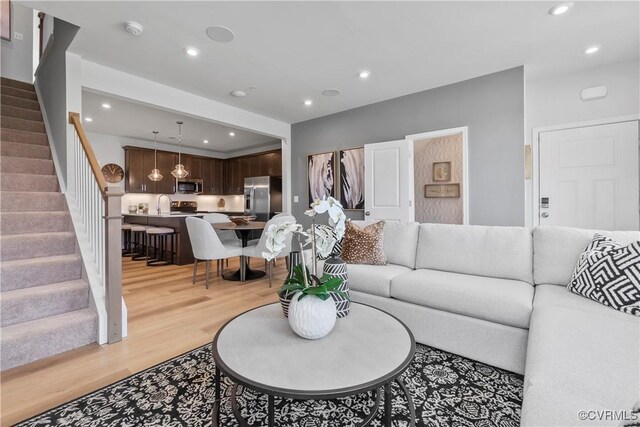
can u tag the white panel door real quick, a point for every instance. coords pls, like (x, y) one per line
(589, 177)
(388, 185)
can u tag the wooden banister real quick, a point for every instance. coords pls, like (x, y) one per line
(74, 119)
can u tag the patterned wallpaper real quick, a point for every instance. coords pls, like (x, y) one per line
(427, 151)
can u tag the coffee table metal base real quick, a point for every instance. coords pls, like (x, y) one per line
(215, 415)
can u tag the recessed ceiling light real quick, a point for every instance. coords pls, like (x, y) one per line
(220, 34)
(308, 102)
(192, 51)
(239, 93)
(206, 141)
(331, 92)
(364, 74)
(106, 106)
(88, 119)
(591, 50)
(560, 8)
(232, 134)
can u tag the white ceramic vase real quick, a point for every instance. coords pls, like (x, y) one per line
(311, 317)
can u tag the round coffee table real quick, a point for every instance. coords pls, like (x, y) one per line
(366, 351)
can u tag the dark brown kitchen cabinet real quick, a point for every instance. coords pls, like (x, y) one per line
(138, 164)
(193, 165)
(213, 176)
(234, 176)
(166, 163)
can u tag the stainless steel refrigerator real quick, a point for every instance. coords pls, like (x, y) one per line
(262, 197)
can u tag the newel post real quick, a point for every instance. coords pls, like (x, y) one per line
(113, 263)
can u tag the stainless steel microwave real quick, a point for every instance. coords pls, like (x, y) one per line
(189, 186)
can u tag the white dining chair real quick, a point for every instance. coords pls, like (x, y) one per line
(206, 245)
(226, 236)
(256, 248)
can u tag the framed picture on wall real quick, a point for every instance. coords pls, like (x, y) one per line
(5, 20)
(442, 191)
(351, 169)
(442, 171)
(321, 175)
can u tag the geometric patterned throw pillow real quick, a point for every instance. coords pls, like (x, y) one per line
(609, 273)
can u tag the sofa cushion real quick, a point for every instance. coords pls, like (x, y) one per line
(556, 251)
(559, 296)
(374, 279)
(504, 301)
(400, 241)
(503, 252)
(609, 273)
(586, 354)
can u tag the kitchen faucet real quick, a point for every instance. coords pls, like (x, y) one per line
(158, 202)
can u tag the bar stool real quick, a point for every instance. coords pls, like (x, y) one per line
(157, 237)
(139, 242)
(126, 240)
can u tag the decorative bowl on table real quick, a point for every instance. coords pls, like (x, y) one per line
(239, 220)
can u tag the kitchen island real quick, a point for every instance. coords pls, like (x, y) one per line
(175, 220)
(184, 254)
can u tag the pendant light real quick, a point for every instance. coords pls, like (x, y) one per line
(155, 173)
(179, 171)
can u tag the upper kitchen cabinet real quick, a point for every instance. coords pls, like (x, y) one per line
(166, 163)
(212, 176)
(194, 165)
(234, 176)
(138, 164)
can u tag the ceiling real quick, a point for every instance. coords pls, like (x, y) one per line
(133, 120)
(291, 51)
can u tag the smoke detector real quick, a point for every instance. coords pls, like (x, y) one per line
(133, 28)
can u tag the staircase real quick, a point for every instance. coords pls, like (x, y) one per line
(44, 302)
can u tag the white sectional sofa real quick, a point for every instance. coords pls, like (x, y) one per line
(498, 295)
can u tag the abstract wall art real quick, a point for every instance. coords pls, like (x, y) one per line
(321, 174)
(351, 166)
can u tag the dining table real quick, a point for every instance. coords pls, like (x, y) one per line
(243, 230)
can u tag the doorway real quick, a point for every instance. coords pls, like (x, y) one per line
(441, 190)
(588, 177)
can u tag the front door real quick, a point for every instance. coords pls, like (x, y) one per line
(589, 177)
(388, 169)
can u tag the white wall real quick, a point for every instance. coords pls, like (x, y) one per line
(556, 101)
(17, 55)
(108, 149)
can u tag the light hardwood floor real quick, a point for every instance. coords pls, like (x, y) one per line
(168, 316)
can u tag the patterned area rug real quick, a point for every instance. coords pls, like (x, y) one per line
(447, 390)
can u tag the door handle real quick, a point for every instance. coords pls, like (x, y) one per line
(544, 214)
(367, 213)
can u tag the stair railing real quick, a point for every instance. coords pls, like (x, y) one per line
(97, 218)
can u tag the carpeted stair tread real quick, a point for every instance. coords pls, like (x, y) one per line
(24, 305)
(26, 137)
(28, 182)
(36, 245)
(26, 273)
(22, 124)
(15, 101)
(27, 166)
(34, 222)
(18, 201)
(37, 339)
(17, 84)
(22, 150)
(19, 93)
(21, 113)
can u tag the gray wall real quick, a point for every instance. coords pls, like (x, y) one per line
(492, 106)
(51, 81)
(17, 55)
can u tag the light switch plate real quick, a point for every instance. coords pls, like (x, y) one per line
(296, 199)
(17, 35)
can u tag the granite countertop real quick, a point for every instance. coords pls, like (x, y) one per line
(163, 215)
